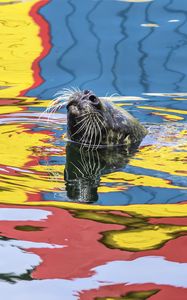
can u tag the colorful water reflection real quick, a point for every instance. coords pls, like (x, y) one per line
(121, 242)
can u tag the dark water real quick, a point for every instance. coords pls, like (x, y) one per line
(105, 224)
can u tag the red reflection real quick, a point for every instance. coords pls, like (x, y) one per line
(164, 292)
(83, 251)
(44, 34)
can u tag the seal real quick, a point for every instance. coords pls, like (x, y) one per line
(96, 122)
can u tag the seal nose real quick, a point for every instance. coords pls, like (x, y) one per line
(86, 92)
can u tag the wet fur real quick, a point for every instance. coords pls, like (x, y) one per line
(95, 122)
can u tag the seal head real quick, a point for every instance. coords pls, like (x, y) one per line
(96, 122)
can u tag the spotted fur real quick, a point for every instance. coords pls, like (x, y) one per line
(95, 122)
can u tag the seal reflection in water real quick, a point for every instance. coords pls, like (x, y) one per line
(84, 169)
(100, 136)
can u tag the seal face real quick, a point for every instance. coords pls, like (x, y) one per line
(95, 122)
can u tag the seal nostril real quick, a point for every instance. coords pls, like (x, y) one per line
(72, 102)
(86, 92)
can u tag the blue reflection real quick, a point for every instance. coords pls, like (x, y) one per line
(101, 45)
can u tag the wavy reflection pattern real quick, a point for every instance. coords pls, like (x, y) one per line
(144, 54)
(53, 248)
(44, 35)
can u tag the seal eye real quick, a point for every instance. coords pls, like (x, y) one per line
(93, 98)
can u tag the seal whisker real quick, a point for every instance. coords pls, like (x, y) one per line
(63, 104)
(78, 169)
(88, 139)
(58, 104)
(83, 142)
(84, 161)
(94, 129)
(98, 126)
(53, 111)
(82, 139)
(96, 133)
(46, 111)
(91, 136)
(114, 94)
(109, 98)
(52, 103)
(104, 127)
(79, 129)
(98, 169)
(52, 108)
(76, 89)
(86, 118)
(83, 165)
(100, 135)
(92, 163)
(86, 114)
(66, 93)
(95, 137)
(92, 171)
(92, 132)
(89, 163)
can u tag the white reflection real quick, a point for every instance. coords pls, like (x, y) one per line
(173, 21)
(23, 214)
(142, 270)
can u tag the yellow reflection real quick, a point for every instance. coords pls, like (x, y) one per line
(21, 46)
(138, 234)
(168, 116)
(16, 188)
(139, 180)
(141, 239)
(18, 147)
(124, 104)
(181, 99)
(177, 111)
(166, 94)
(16, 144)
(149, 25)
(136, 295)
(23, 103)
(163, 159)
(7, 2)
(9, 109)
(145, 210)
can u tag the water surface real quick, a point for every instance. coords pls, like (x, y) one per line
(114, 234)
